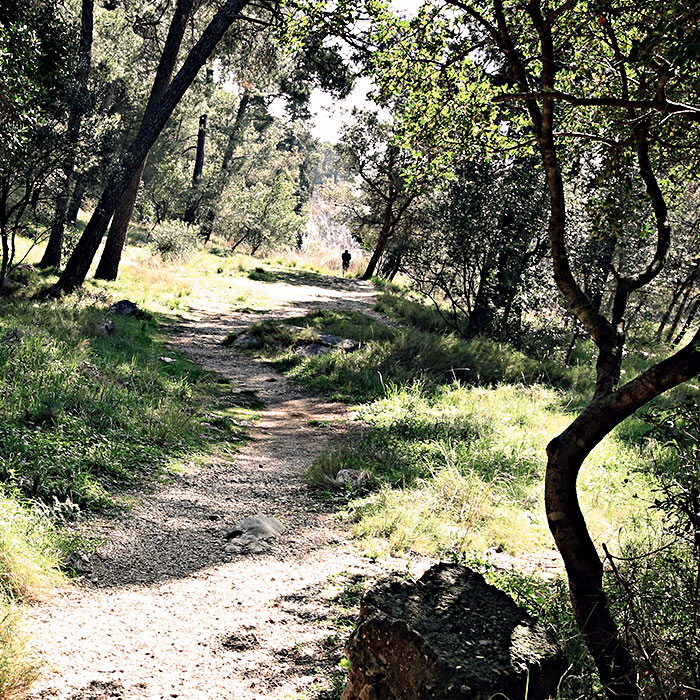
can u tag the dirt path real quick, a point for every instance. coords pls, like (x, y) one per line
(164, 610)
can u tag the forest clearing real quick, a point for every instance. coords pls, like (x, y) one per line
(245, 440)
(349, 350)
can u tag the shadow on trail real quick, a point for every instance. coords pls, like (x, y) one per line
(183, 527)
(299, 277)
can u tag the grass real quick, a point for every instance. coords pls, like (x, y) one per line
(458, 470)
(29, 558)
(87, 413)
(400, 356)
(17, 666)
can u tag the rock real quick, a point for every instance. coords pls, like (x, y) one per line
(351, 477)
(336, 341)
(125, 308)
(313, 350)
(323, 339)
(248, 341)
(252, 535)
(167, 360)
(80, 563)
(448, 636)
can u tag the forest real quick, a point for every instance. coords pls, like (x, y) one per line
(219, 444)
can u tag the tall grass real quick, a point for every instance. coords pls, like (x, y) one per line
(400, 356)
(457, 470)
(28, 572)
(85, 411)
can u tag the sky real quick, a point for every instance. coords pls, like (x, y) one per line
(330, 113)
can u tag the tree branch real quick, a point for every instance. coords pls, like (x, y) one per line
(666, 107)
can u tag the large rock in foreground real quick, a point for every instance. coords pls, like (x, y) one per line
(449, 636)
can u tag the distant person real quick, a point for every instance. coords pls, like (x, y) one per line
(346, 258)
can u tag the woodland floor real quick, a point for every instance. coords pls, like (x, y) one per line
(163, 610)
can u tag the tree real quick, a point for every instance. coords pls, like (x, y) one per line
(477, 240)
(79, 263)
(384, 198)
(35, 61)
(111, 256)
(78, 107)
(599, 73)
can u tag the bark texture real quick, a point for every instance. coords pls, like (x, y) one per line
(108, 267)
(54, 246)
(79, 263)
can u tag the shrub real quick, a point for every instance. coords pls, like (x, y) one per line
(175, 240)
(657, 578)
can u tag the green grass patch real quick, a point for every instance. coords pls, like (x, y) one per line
(456, 470)
(29, 552)
(87, 412)
(18, 668)
(399, 357)
(412, 312)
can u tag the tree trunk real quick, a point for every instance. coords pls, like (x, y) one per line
(688, 281)
(482, 314)
(566, 454)
(79, 263)
(52, 254)
(234, 138)
(688, 322)
(111, 256)
(688, 288)
(384, 236)
(76, 199)
(190, 215)
(199, 160)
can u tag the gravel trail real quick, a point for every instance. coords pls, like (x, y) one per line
(163, 610)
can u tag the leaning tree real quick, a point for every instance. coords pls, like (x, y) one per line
(618, 80)
(80, 260)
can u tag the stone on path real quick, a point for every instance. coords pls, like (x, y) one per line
(125, 308)
(448, 636)
(248, 341)
(252, 535)
(336, 341)
(352, 477)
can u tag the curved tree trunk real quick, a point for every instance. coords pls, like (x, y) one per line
(108, 267)
(79, 263)
(566, 453)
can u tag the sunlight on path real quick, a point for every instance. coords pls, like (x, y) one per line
(166, 611)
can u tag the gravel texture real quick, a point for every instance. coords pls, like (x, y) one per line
(163, 610)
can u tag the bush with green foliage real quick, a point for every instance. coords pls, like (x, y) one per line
(175, 240)
(656, 580)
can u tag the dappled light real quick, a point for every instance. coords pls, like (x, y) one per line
(252, 368)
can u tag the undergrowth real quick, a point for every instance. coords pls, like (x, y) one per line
(86, 411)
(399, 356)
(460, 469)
